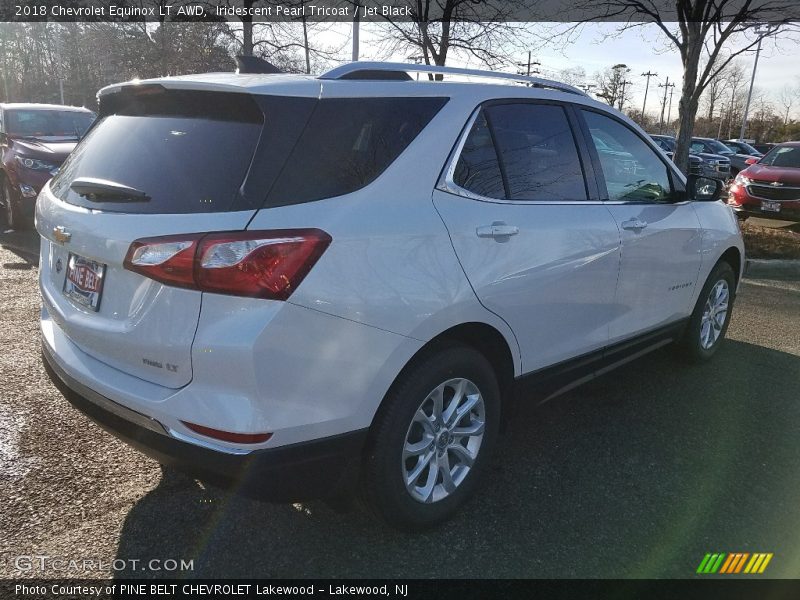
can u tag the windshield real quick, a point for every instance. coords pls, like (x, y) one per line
(48, 123)
(666, 143)
(718, 147)
(782, 156)
(746, 149)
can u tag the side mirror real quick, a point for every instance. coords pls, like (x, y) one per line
(704, 189)
(751, 161)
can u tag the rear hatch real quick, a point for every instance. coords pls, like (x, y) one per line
(157, 162)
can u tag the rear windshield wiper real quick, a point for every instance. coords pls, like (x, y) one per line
(104, 190)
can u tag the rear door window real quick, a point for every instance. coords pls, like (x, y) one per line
(537, 151)
(522, 151)
(348, 143)
(478, 169)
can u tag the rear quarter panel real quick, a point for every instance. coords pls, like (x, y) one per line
(720, 232)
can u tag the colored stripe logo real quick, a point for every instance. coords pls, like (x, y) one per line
(734, 562)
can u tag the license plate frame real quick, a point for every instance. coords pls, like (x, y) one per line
(84, 281)
(770, 206)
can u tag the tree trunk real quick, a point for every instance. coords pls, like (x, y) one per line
(306, 47)
(247, 36)
(687, 107)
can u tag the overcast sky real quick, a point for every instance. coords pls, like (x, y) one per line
(642, 49)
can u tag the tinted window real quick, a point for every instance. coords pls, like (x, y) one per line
(665, 144)
(718, 147)
(48, 123)
(632, 170)
(697, 147)
(348, 143)
(477, 169)
(782, 156)
(187, 159)
(537, 152)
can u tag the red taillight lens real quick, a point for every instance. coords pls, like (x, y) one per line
(168, 259)
(227, 436)
(260, 264)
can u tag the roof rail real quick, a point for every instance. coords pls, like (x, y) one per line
(347, 71)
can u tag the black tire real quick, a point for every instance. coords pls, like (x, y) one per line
(11, 211)
(383, 490)
(691, 346)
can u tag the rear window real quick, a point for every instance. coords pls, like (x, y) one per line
(348, 143)
(186, 156)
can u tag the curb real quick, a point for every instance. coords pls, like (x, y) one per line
(757, 268)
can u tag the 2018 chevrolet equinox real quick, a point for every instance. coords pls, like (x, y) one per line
(300, 285)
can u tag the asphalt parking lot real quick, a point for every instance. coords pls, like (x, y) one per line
(637, 474)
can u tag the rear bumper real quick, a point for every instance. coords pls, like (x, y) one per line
(302, 471)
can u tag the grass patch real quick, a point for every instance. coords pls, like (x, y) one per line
(770, 242)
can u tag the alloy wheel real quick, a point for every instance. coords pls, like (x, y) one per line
(443, 440)
(715, 313)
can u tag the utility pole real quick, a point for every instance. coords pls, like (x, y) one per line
(646, 86)
(527, 66)
(666, 87)
(624, 83)
(760, 29)
(669, 111)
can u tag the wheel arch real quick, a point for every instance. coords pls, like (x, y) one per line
(734, 258)
(481, 336)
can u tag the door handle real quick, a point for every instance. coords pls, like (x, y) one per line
(634, 223)
(498, 229)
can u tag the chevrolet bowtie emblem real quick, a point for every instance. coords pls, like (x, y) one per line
(776, 184)
(61, 235)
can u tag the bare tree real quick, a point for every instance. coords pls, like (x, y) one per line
(573, 75)
(613, 85)
(787, 98)
(713, 94)
(479, 30)
(708, 35)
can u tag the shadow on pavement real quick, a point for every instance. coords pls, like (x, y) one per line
(637, 474)
(25, 244)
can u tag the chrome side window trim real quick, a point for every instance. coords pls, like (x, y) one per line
(447, 183)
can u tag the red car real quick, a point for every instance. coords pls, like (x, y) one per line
(34, 141)
(770, 187)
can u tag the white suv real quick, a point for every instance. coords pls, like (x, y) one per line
(302, 286)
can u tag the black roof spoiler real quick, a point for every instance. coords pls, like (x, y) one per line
(254, 64)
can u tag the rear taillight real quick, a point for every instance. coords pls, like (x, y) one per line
(260, 264)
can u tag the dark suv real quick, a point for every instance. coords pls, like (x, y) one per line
(698, 165)
(34, 141)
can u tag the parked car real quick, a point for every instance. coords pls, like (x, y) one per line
(302, 286)
(763, 148)
(711, 166)
(697, 166)
(34, 141)
(729, 162)
(770, 187)
(742, 147)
